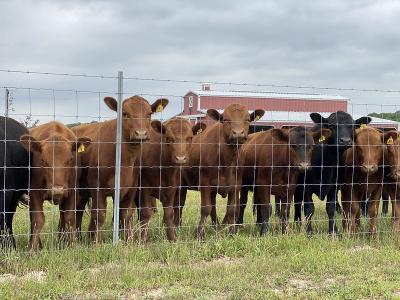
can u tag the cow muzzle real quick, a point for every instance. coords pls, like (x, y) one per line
(237, 136)
(139, 135)
(181, 159)
(369, 169)
(395, 174)
(304, 166)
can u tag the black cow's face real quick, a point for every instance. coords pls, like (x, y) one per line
(342, 126)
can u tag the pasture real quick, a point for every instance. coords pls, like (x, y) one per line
(244, 266)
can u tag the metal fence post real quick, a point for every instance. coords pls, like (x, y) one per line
(7, 103)
(118, 141)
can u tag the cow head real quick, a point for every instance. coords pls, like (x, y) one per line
(236, 121)
(393, 154)
(370, 144)
(342, 126)
(301, 142)
(56, 157)
(178, 134)
(136, 113)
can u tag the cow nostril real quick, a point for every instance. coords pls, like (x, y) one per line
(141, 133)
(180, 158)
(345, 141)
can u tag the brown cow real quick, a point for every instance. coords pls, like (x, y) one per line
(364, 176)
(213, 162)
(392, 179)
(270, 162)
(54, 176)
(165, 153)
(99, 175)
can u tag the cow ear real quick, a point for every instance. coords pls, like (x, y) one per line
(30, 143)
(390, 137)
(158, 126)
(81, 144)
(198, 128)
(256, 115)
(321, 135)
(362, 120)
(280, 134)
(111, 103)
(214, 114)
(318, 119)
(159, 105)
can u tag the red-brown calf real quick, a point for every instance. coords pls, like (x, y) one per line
(99, 161)
(271, 162)
(165, 154)
(213, 163)
(364, 176)
(54, 176)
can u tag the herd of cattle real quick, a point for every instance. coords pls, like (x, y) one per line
(68, 166)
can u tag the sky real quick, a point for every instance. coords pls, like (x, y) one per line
(341, 44)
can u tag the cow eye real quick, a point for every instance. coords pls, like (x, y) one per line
(125, 115)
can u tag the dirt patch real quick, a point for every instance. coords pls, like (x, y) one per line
(157, 293)
(38, 276)
(361, 248)
(301, 284)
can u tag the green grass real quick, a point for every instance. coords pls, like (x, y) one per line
(241, 267)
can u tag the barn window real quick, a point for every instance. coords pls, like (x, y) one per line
(190, 101)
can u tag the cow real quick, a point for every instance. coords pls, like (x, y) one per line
(14, 176)
(270, 163)
(98, 178)
(213, 163)
(364, 176)
(391, 185)
(54, 176)
(326, 175)
(165, 154)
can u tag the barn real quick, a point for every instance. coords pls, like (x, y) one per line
(282, 109)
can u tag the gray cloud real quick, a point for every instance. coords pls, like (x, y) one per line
(314, 43)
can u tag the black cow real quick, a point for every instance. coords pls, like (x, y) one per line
(326, 175)
(14, 175)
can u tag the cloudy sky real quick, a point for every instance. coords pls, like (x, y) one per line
(346, 44)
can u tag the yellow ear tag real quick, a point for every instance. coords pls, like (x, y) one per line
(81, 148)
(322, 138)
(362, 126)
(160, 108)
(390, 141)
(199, 131)
(257, 118)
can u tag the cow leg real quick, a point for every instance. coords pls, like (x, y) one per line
(145, 215)
(37, 220)
(214, 216)
(278, 202)
(127, 208)
(395, 209)
(179, 203)
(308, 212)
(232, 210)
(331, 203)
(80, 209)
(8, 206)
(298, 202)
(244, 193)
(284, 211)
(373, 209)
(205, 210)
(355, 204)
(262, 200)
(385, 203)
(68, 220)
(97, 215)
(167, 199)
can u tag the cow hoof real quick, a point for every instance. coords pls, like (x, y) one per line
(199, 234)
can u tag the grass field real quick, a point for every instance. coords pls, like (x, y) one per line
(241, 267)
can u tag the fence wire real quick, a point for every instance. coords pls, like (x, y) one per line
(181, 165)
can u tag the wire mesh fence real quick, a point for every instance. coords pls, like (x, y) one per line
(113, 158)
